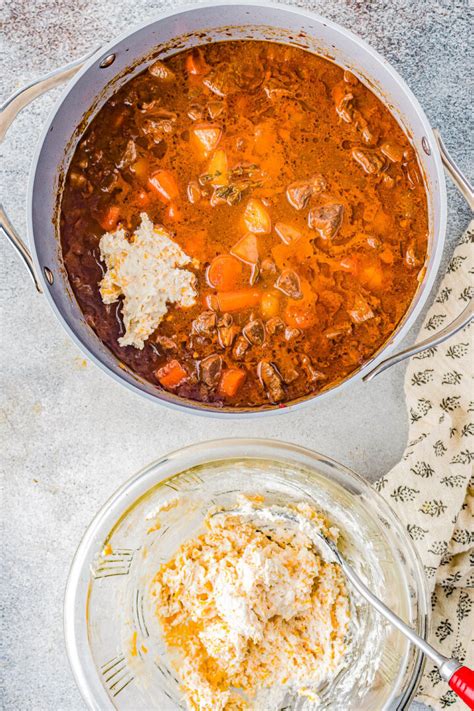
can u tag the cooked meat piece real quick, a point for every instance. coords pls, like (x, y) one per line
(393, 151)
(249, 75)
(224, 320)
(336, 331)
(361, 310)
(129, 156)
(215, 108)
(275, 90)
(204, 324)
(160, 71)
(350, 78)
(291, 333)
(159, 128)
(289, 283)
(412, 173)
(310, 371)
(241, 346)
(271, 381)
(210, 370)
(343, 100)
(299, 192)
(289, 373)
(370, 161)
(165, 343)
(220, 82)
(274, 325)
(196, 112)
(227, 334)
(326, 220)
(254, 332)
(410, 256)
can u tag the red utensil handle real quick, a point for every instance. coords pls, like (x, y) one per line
(462, 683)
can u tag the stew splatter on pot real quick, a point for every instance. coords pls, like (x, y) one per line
(244, 223)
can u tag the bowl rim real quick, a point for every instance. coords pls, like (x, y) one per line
(396, 337)
(77, 589)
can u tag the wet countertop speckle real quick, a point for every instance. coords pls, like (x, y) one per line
(70, 435)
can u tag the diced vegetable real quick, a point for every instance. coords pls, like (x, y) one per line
(246, 249)
(171, 375)
(164, 184)
(231, 380)
(195, 63)
(269, 304)
(141, 168)
(218, 168)
(206, 136)
(224, 272)
(256, 217)
(287, 233)
(160, 71)
(229, 301)
(110, 219)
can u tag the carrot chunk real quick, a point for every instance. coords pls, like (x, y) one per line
(164, 184)
(224, 272)
(238, 300)
(110, 219)
(256, 217)
(246, 249)
(171, 374)
(231, 380)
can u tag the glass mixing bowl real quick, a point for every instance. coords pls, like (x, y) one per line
(113, 637)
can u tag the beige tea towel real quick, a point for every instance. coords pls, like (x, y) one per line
(432, 488)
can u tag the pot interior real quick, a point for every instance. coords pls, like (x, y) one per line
(128, 56)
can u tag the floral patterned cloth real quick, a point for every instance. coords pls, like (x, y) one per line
(432, 488)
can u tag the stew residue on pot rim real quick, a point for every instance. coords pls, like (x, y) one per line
(295, 197)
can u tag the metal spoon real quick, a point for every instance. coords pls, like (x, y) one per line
(460, 678)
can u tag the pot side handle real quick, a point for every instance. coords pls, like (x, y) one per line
(9, 110)
(464, 318)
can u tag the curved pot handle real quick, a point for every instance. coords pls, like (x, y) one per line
(467, 315)
(8, 113)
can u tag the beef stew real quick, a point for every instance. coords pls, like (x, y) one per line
(296, 198)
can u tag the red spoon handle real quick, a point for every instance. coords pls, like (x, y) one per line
(462, 683)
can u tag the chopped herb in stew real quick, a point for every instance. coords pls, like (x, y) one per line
(297, 204)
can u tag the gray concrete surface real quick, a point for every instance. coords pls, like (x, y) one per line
(70, 435)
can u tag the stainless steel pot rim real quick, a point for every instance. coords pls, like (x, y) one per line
(162, 469)
(417, 304)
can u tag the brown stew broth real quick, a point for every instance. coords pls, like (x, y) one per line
(355, 222)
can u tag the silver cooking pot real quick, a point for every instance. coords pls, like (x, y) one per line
(95, 78)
